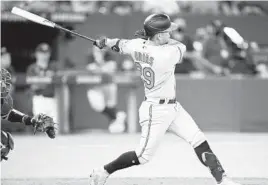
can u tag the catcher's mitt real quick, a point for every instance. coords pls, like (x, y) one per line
(44, 123)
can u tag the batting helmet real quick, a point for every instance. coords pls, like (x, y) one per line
(156, 23)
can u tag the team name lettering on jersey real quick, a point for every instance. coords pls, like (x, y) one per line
(144, 57)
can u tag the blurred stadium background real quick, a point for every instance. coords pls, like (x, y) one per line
(226, 93)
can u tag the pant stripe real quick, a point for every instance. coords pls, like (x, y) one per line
(148, 133)
(143, 122)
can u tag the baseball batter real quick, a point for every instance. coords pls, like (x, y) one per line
(155, 56)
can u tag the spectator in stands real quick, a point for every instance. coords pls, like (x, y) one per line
(103, 97)
(88, 7)
(242, 7)
(202, 7)
(43, 94)
(6, 61)
(229, 7)
(122, 7)
(6, 5)
(64, 6)
(169, 7)
(252, 7)
(192, 61)
(103, 7)
(201, 35)
(185, 6)
(259, 58)
(39, 6)
(234, 49)
(262, 69)
(6, 64)
(214, 49)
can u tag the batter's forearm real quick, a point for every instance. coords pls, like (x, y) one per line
(113, 44)
(19, 117)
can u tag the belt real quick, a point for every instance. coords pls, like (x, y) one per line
(162, 101)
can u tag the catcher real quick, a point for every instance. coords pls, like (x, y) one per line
(40, 122)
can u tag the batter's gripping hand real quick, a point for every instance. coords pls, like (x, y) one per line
(44, 123)
(101, 42)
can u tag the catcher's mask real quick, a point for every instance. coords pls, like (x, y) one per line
(5, 83)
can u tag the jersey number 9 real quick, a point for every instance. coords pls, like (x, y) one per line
(147, 75)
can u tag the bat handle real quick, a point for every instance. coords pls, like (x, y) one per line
(74, 33)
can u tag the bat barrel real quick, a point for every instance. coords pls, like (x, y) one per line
(40, 20)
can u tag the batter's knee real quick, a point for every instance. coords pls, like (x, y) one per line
(198, 138)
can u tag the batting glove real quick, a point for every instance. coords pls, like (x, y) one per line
(101, 42)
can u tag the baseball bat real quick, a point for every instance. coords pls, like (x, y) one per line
(40, 20)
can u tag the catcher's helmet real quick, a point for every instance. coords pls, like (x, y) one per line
(157, 23)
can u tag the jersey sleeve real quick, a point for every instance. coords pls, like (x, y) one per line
(178, 49)
(127, 46)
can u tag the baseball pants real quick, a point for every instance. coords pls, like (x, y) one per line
(156, 119)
